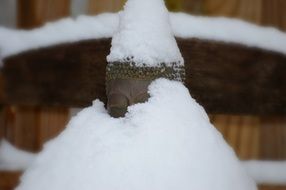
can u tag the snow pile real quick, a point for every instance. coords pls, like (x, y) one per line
(105, 25)
(13, 159)
(160, 145)
(267, 172)
(144, 35)
(228, 30)
(65, 30)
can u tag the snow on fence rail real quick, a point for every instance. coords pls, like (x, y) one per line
(104, 26)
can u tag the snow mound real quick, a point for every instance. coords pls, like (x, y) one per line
(166, 143)
(145, 35)
(228, 30)
(62, 31)
(13, 159)
(267, 172)
(105, 25)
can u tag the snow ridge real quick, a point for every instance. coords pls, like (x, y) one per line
(105, 26)
(160, 144)
(144, 35)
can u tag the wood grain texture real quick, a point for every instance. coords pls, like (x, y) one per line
(273, 138)
(263, 12)
(34, 13)
(100, 6)
(242, 133)
(29, 127)
(224, 78)
(274, 13)
(261, 138)
(9, 180)
(272, 188)
(243, 9)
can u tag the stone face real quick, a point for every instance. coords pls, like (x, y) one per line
(122, 93)
(127, 84)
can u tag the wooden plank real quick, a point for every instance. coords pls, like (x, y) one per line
(224, 78)
(241, 132)
(34, 13)
(21, 127)
(9, 180)
(29, 127)
(274, 13)
(273, 138)
(272, 188)
(51, 121)
(243, 9)
(100, 6)
(233, 79)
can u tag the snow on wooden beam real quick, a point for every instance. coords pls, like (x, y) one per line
(223, 77)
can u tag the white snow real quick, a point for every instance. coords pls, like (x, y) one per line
(65, 30)
(166, 143)
(13, 159)
(105, 25)
(144, 35)
(267, 172)
(228, 30)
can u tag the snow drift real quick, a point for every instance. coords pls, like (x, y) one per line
(13, 159)
(160, 144)
(145, 38)
(105, 25)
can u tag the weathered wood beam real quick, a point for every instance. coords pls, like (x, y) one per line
(9, 180)
(223, 77)
(34, 13)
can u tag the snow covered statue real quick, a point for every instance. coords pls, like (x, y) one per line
(143, 49)
(164, 142)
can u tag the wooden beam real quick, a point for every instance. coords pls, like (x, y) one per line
(100, 6)
(272, 188)
(223, 77)
(34, 13)
(9, 180)
(29, 127)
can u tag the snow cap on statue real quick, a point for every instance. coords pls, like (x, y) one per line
(144, 46)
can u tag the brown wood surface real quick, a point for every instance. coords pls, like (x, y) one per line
(224, 78)
(272, 188)
(29, 127)
(273, 138)
(274, 13)
(33, 13)
(99, 6)
(263, 12)
(260, 138)
(9, 180)
(243, 9)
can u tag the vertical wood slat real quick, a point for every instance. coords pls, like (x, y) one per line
(251, 137)
(243, 9)
(51, 122)
(8, 180)
(2, 126)
(34, 13)
(99, 6)
(273, 138)
(274, 13)
(21, 127)
(272, 188)
(29, 128)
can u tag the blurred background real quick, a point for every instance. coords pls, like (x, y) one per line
(28, 128)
